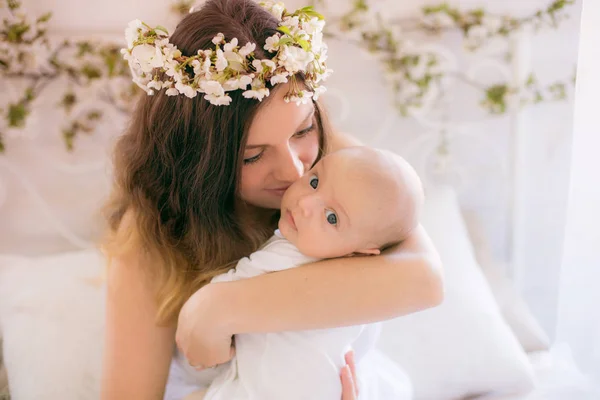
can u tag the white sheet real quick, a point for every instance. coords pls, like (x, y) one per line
(557, 378)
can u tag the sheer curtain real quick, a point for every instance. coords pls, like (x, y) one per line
(578, 324)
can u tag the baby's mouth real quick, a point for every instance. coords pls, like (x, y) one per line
(290, 217)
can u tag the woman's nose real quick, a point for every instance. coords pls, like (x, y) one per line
(290, 167)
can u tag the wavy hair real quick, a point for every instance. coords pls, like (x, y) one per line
(177, 169)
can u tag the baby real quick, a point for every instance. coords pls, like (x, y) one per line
(355, 201)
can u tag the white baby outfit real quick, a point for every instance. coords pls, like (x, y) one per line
(293, 365)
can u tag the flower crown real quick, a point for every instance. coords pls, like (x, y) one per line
(157, 64)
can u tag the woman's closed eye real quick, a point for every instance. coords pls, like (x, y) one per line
(253, 159)
(304, 132)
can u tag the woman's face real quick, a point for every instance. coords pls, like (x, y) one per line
(283, 143)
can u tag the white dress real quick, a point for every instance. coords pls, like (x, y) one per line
(293, 365)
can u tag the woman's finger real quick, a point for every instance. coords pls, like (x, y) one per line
(348, 387)
(349, 357)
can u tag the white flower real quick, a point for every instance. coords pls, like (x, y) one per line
(313, 25)
(301, 97)
(438, 20)
(221, 62)
(197, 65)
(492, 23)
(295, 59)
(212, 87)
(170, 51)
(172, 92)
(291, 22)
(186, 89)
(236, 62)
(263, 65)
(316, 43)
(318, 91)
(155, 85)
(272, 43)
(147, 57)
(224, 100)
(142, 83)
(247, 49)
(133, 31)
(276, 9)
(237, 83)
(170, 68)
(257, 94)
(476, 36)
(218, 39)
(477, 32)
(279, 78)
(231, 45)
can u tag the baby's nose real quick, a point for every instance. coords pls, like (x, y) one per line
(308, 204)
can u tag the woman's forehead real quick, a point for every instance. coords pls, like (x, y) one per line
(278, 117)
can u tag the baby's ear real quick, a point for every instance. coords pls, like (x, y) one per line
(368, 252)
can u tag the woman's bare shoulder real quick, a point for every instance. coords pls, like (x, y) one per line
(127, 258)
(340, 140)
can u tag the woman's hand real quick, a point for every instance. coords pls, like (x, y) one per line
(348, 376)
(201, 336)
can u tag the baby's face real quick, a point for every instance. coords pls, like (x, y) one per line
(327, 213)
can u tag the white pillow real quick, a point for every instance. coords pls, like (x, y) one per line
(462, 347)
(515, 310)
(52, 323)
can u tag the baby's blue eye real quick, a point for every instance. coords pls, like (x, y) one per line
(314, 182)
(331, 217)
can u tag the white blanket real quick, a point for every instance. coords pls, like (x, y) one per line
(302, 365)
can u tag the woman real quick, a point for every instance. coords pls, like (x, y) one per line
(198, 186)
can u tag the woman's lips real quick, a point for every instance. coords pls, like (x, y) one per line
(278, 191)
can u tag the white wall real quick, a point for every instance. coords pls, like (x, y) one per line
(358, 100)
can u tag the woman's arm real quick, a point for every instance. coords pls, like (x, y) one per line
(137, 352)
(336, 292)
(326, 294)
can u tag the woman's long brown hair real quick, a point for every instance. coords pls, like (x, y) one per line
(177, 169)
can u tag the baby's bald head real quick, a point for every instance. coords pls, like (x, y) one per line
(391, 192)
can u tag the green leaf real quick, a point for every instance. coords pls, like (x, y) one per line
(285, 41)
(162, 28)
(15, 32)
(315, 14)
(530, 80)
(14, 4)
(94, 115)
(304, 44)
(69, 136)
(84, 48)
(44, 18)
(17, 113)
(91, 72)
(68, 101)
(29, 94)
(285, 30)
(2, 147)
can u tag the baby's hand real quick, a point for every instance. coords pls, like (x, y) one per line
(348, 376)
